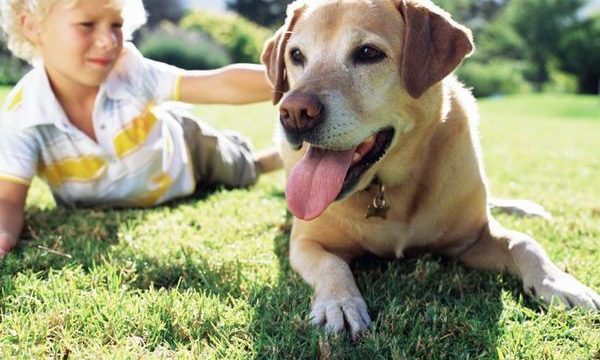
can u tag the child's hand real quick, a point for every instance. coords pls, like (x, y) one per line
(4, 248)
(12, 213)
(8, 241)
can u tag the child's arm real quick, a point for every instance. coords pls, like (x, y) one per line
(232, 84)
(12, 213)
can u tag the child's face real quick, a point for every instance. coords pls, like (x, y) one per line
(80, 44)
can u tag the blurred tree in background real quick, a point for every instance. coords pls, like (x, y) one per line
(242, 38)
(551, 44)
(579, 51)
(476, 14)
(161, 10)
(542, 24)
(269, 13)
(172, 45)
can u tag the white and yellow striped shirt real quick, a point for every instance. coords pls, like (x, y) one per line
(140, 157)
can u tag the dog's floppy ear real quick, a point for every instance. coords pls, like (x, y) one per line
(434, 45)
(273, 54)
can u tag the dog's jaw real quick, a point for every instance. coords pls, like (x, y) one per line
(359, 170)
(323, 176)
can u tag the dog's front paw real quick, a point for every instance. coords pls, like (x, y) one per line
(334, 313)
(565, 288)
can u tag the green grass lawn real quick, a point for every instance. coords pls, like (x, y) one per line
(209, 277)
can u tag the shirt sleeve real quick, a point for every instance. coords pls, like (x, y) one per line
(157, 80)
(18, 155)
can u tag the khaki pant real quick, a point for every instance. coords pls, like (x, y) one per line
(218, 157)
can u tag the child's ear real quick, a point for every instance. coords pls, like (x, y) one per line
(30, 25)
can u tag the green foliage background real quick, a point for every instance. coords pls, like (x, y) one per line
(242, 38)
(172, 46)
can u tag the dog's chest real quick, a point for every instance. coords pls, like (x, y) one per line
(383, 237)
(386, 237)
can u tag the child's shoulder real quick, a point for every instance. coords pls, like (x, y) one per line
(24, 99)
(13, 104)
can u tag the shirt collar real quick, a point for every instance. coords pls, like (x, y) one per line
(40, 106)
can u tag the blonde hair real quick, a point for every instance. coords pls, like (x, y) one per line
(134, 16)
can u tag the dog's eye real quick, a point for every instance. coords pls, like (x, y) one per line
(367, 55)
(297, 56)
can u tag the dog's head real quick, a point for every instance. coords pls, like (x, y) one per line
(351, 75)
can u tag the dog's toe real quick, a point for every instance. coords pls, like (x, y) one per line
(335, 319)
(317, 316)
(587, 300)
(596, 300)
(567, 290)
(334, 315)
(357, 317)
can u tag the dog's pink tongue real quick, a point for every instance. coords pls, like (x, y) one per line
(316, 181)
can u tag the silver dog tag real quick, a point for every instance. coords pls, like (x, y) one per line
(379, 207)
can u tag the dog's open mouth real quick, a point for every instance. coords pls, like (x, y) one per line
(324, 176)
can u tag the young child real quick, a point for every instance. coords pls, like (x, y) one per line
(89, 120)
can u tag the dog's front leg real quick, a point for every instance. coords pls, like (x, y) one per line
(502, 249)
(337, 300)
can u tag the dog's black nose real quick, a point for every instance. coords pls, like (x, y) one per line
(300, 112)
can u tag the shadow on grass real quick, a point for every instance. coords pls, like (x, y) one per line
(66, 236)
(426, 307)
(422, 308)
(61, 236)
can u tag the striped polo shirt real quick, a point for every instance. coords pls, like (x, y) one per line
(139, 158)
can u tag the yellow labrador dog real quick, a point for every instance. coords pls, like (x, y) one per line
(382, 152)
